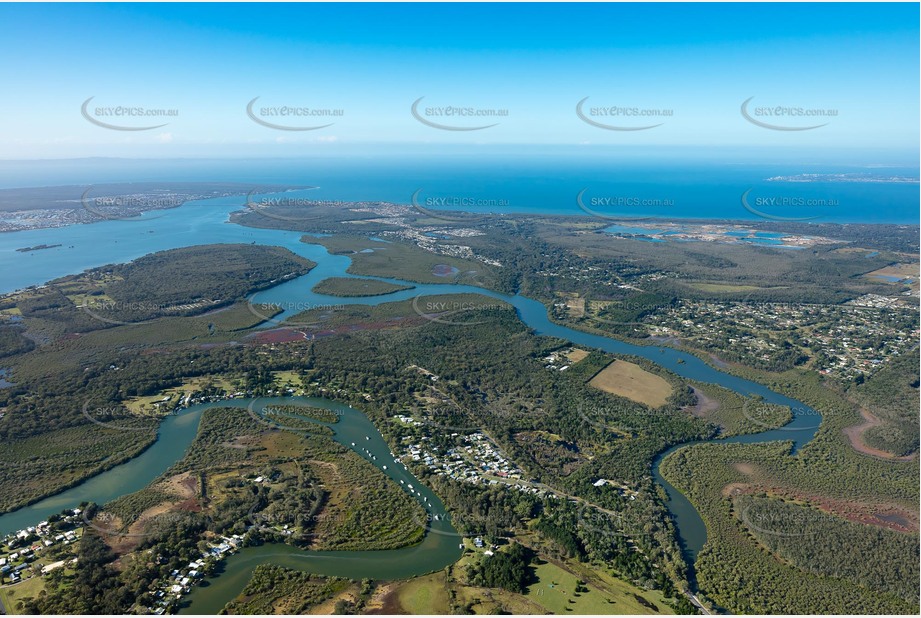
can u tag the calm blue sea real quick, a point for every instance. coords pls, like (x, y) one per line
(609, 185)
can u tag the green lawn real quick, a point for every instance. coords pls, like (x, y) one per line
(556, 588)
(10, 595)
(425, 595)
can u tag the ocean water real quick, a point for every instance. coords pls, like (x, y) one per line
(600, 186)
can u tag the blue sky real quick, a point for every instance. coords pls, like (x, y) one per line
(698, 62)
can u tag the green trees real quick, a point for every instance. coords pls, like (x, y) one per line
(507, 569)
(766, 556)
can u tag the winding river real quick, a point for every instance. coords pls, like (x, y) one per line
(86, 246)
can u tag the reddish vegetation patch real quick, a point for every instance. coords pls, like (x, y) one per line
(444, 270)
(889, 516)
(277, 335)
(855, 433)
(211, 346)
(192, 505)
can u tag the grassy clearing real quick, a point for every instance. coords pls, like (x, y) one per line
(424, 595)
(287, 379)
(147, 405)
(11, 595)
(555, 591)
(631, 381)
(576, 355)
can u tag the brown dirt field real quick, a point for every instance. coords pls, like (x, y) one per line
(855, 433)
(384, 601)
(704, 405)
(326, 607)
(337, 501)
(184, 485)
(122, 545)
(576, 355)
(632, 382)
(576, 307)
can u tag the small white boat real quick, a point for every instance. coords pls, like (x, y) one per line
(402, 483)
(353, 444)
(385, 467)
(367, 438)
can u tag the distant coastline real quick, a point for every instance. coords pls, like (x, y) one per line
(867, 178)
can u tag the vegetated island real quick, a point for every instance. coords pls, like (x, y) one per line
(356, 286)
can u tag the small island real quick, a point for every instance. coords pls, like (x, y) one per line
(356, 286)
(37, 248)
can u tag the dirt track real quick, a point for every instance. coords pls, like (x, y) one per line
(855, 433)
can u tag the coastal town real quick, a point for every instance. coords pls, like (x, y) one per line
(90, 205)
(839, 341)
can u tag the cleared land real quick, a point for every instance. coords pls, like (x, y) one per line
(576, 355)
(632, 382)
(555, 591)
(11, 595)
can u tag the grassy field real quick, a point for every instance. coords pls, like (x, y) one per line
(632, 382)
(576, 355)
(10, 595)
(424, 595)
(355, 286)
(287, 378)
(555, 591)
(146, 405)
